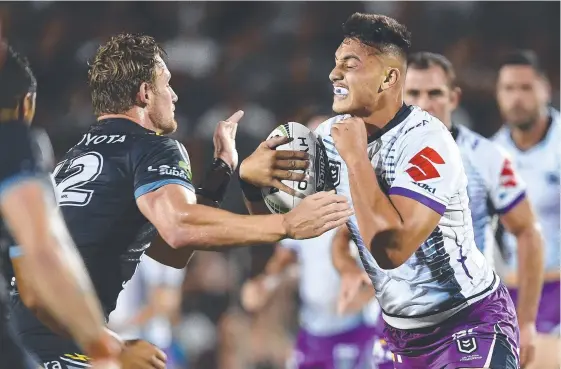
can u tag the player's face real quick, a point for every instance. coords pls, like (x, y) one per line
(356, 78)
(161, 105)
(429, 89)
(521, 93)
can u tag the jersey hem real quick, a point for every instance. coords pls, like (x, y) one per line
(513, 203)
(425, 321)
(433, 204)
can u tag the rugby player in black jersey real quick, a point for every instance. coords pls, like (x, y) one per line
(28, 211)
(126, 188)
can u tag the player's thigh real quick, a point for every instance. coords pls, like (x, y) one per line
(548, 353)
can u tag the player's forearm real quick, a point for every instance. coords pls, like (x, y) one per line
(379, 222)
(57, 273)
(530, 274)
(204, 228)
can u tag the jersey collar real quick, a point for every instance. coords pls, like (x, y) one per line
(400, 116)
(119, 125)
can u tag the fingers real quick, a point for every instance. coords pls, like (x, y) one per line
(293, 164)
(292, 154)
(235, 118)
(329, 225)
(274, 142)
(284, 188)
(286, 175)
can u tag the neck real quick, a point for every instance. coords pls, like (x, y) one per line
(526, 139)
(383, 113)
(137, 115)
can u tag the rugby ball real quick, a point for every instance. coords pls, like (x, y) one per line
(280, 202)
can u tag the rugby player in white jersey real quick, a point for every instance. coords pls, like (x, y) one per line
(532, 135)
(443, 304)
(327, 338)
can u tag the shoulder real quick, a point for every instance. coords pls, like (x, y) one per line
(324, 129)
(421, 128)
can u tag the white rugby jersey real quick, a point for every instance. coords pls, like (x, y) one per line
(493, 184)
(319, 286)
(539, 167)
(416, 156)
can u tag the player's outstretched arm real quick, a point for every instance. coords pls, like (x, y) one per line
(257, 292)
(394, 226)
(172, 209)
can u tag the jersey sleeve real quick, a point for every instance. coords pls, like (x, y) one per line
(160, 162)
(428, 169)
(506, 188)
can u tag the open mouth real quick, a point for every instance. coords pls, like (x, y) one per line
(340, 92)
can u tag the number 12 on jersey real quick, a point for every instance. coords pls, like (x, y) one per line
(80, 171)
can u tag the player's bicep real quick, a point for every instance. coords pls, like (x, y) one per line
(519, 218)
(163, 206)
(428, 171)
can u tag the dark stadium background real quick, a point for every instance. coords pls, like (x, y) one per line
(271, 59)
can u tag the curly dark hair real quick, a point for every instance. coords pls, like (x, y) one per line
(426, 60)
(16, 77)
(379, 31)
(119, 68)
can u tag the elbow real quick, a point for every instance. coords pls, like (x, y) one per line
(179, 233)
(530, 240)
(387, 251)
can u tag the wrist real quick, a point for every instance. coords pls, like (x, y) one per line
(356, 158)
(216, 181)
(252, 193)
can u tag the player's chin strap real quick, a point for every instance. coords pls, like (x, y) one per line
(216, 182)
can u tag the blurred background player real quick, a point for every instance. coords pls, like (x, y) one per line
(148, 307)
(493, 185)
(29, 215)
(328, 337)
(532, 135)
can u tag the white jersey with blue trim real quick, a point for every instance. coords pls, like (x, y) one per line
(319, 287)
(415, 156)
(493, 184)
(540, 168)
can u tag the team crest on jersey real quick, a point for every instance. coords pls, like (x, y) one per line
(466, 345)
(335, 172)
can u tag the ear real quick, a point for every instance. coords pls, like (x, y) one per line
(390, 79)
(455, 96)
(29, 107)
(144, 94)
